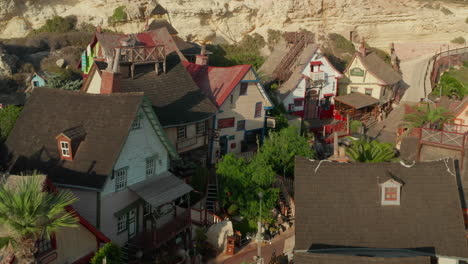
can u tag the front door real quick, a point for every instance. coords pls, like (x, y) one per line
(132, 223)
(223, 145)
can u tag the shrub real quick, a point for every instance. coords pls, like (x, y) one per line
(273, 37)
(458, 40)
(232, 210)
(65, 79)
(342, 44)
(446, 11)
(355, 126)
(119, 15)
(111, 252)
(87, 27)
(57, 24)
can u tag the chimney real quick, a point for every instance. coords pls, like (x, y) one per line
(202, 59)
(362, 48)
(394, 58)
(111, 76)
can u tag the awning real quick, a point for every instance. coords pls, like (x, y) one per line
(316, 63)
(161, 189)
(357, 100)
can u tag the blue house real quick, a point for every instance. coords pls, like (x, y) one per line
(38, 80)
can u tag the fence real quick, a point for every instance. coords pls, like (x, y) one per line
(450, 137)
(204, 217)
(441, 62)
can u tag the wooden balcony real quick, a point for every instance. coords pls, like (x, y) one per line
(191, 143)
(452, 136)
(141, 54)
(154, 239)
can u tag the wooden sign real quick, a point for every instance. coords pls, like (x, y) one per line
(226, 122)
(357, 72)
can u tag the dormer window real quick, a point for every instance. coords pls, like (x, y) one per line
(65, 148)
(68, 142)
(391, 192)
(137, 122)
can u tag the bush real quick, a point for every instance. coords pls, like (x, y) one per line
(273, 37)
(232, 210)
(57, 24)
(342, 44)
(111, 252)
(65, 79)
(87, 27)
(459, 40)
(355, 126)
(119, 15)
(8, 116)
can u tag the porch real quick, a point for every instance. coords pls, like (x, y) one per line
(357, 106)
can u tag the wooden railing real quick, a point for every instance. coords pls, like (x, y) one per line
(284, 69)
(141, 54)
(443, 138)
(204, 217)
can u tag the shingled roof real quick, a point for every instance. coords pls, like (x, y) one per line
(379, 68)
(160, 23)
(49, 112)
(176, 98)
(357, 100)
(314, 258)
(217, 82)
(339, 206)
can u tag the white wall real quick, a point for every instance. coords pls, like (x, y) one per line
(86, 205)
(95, 84)
(331, 85)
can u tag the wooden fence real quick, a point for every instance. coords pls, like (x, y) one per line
(451, 136)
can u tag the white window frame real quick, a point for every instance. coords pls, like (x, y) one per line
(150, 167)
(121, 179)
(179, 129)
(390, 184)
(147, 209)
(65, 147)
(122, 223)
(136, 124)
(198, 130)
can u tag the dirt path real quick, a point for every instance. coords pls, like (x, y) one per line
(413, 75)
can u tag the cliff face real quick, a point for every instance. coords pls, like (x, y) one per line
(379, 21)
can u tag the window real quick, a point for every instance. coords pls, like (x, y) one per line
(298, 102)
(201, 127)
(354, 89)
(369, 91)
(147, 209)
(44, 244)
(136, 123)
(243, 88)
(121, 223)
(150, 166)
(181, 132)
(240, 125)
(121, 179)
(65, 148)
(231, 99)
(258, 109)
(35, 83)
(391, 193)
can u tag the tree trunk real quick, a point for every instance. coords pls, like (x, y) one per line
(26, 250)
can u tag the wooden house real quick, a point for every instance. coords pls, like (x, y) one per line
(112, 153)
(370, 77)
(76, 245)
(312, 77)
(38, 80)
(389, 212)
(241, 102)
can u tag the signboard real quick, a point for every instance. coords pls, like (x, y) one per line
(271, 122)
(226, 122)
(357, 72)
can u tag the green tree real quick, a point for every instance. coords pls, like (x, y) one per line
(111, 252)
(425, 114)
(450, 87)
(58, 24)
(119, 15)
(370, 151)
(28, 213)
(8, 116)
(241, 182)
(65, 80)
(280, 148)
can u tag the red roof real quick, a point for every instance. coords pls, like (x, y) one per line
(217, 82)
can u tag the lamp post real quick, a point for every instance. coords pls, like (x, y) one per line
(259, 232)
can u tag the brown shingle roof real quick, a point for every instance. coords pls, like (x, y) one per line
(48, 112)
(176, 98)
(338, 205)
(357, 100)
(314, 258)
(380, 68)
(160, 23)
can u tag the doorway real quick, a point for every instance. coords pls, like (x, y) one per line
(132, 223)
(223, 145)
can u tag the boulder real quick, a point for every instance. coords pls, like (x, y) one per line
(17, 27)
(61, 63)
(217, 234)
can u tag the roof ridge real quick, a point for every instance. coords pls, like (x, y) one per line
(78, 93)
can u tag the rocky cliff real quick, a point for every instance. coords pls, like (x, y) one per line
(380, 21)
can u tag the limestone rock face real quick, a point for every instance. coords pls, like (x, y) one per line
(379, 21)
(15, 27)
(7, 63)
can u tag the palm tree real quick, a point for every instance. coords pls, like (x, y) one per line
(28, 213)
(425, 114)
(370, 151)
